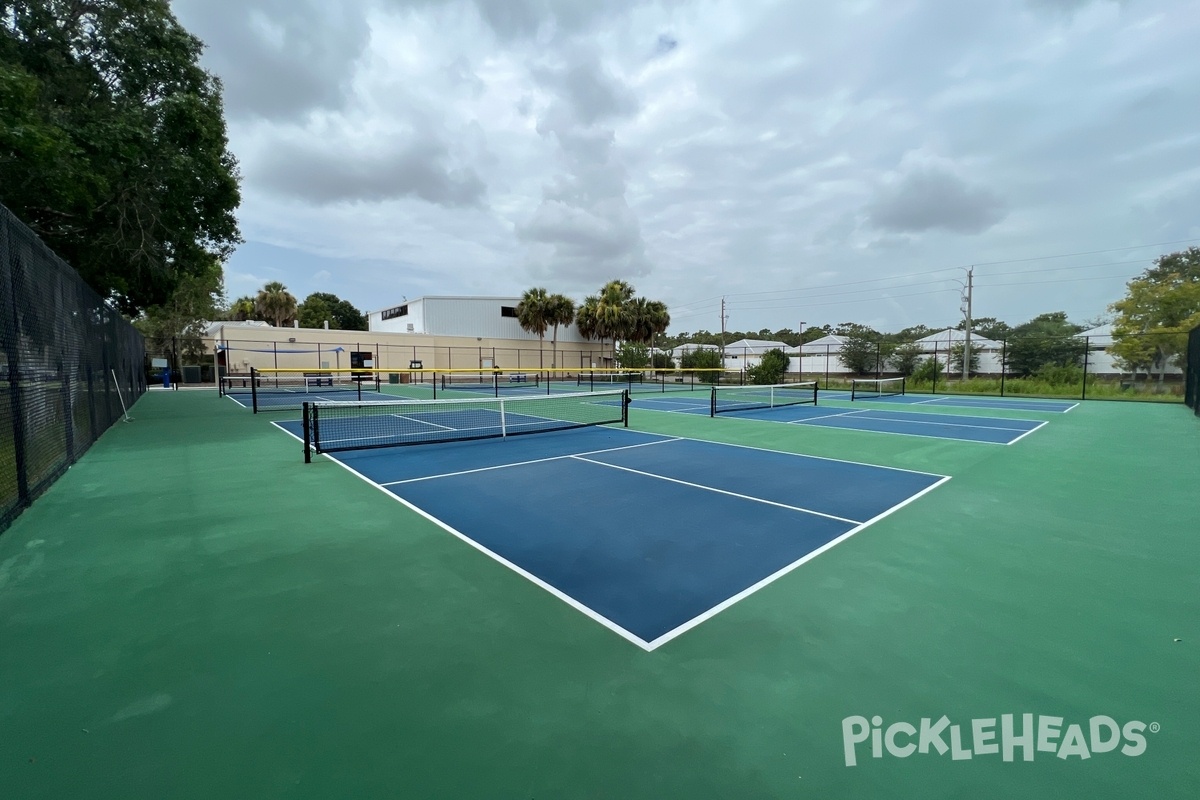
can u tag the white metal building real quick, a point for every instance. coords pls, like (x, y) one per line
(485, 317)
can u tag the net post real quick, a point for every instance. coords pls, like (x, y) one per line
(316, 429)
(254, 389)
(1086, 351)
(903, 384)
(1003, 363)
(495, 384)
(712, 402)
(626, 399)
(503, 421)
(307, 433)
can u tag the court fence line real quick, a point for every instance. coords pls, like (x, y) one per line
(1192, 395)
(1117, 366)
(69, 359)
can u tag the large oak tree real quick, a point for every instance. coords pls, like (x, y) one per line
(113, 145)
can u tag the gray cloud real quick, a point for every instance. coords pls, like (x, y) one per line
(928, 197)
(420, 169)
(470, 145)
(279, 59)
(584, 231)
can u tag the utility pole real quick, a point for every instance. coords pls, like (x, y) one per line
(967, 330)
(801, 349)
(723, 320)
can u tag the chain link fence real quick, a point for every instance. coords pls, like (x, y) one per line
(1193, 370)
(70, 363)
(1147, 366)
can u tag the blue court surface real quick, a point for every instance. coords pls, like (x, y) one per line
(986, 430)
(648, 535)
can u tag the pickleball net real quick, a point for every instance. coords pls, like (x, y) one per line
(746, 398)
(490, 381)
(334, 427)
(287, 390)
(870, 388)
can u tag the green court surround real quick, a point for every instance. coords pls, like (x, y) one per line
(192, 612)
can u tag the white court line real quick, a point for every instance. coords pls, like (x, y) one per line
(1026, 433)
(423, 422)
(529, 576)
(820, 416)
(1001, 404)
(816, 422)
(949, 424)
(738, 495)
(657, 402)
(802, 455)
(522, 463)
(712, 612)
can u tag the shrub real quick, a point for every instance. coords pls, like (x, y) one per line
(928, 371)
(770, 369)
(703, 360)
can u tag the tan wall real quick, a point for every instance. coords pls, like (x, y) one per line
(264, 348)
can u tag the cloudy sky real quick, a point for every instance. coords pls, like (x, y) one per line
(811, 162)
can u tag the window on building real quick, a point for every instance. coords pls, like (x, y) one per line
(392, 313)
(508, 311)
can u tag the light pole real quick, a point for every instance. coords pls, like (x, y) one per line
(801, 350)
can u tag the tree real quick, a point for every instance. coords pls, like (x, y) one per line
(1047, 339)
(560, 310)
(178, 326)
(533, 314)
(770, 369)
(321, 306)
(633, 355)
(862, 355)
(314, 312)
(988, 328)
(1159, 308)
(585, 318)
(709, 361)
(956, 359)
(113, 145)
(242, 309)
(906, 357)
(662, 361)
(275, 304)
(613, 319)
(646, 320)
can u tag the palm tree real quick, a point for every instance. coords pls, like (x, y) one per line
(561, 312)
(612, 311)
(659, 321)
(242, 309)
(533, 314)
(585, 318)
(275, 303)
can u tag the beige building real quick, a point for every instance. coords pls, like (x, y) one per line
(238, 346)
